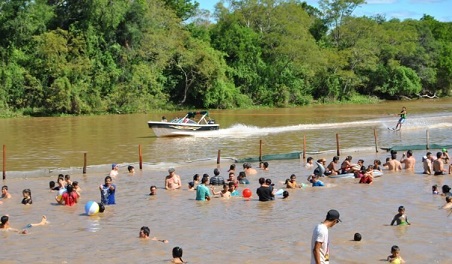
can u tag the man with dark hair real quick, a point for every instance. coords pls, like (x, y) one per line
(320, 241)
(216, 179)
(438, 165)
(107, 191)
(265, 191)
(408, 160)
(202, 192)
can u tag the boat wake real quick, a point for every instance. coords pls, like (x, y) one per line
(413, 124)
(241, 130)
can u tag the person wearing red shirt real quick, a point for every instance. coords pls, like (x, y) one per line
(70, 197)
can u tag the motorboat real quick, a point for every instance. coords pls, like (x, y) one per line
(185, 126)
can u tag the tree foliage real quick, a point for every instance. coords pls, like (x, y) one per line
(122, 56)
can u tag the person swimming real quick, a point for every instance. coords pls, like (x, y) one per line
(177, 255)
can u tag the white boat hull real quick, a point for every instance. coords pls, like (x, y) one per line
(168, 129)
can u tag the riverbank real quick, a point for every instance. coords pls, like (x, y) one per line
(20, 113)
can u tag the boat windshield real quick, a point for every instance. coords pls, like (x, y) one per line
(188, 118)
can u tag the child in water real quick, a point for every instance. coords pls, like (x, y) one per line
(400, 218)
(435, 189)
(27, 197)
(177, 255)
(395, 256)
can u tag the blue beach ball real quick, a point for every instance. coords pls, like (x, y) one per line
(91, 208)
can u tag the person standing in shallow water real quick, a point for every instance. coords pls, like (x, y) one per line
(107, 191)
(172, 180)
(408, 160)
(114, 170)
(320, 243)
(400, 218)
(202, 192)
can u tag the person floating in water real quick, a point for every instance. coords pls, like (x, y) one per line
(400, 218)
(4, 225)
(144, 233)
(402, 119)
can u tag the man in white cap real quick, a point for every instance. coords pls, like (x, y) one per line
(320, 240)
(172, 181)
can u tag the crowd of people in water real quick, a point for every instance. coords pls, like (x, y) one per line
(68, 192)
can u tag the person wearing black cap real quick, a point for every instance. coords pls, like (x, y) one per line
(320, 240)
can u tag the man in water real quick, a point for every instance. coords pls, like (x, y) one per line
(409, 160)
(5, 193)
(114, 170)
(145, 232)
(107, 191)
(172, 180)
(216, 179)
(427, 162)
(438, 165)
(202, 192)
(320, 240)
(265, 192)
(393, 164)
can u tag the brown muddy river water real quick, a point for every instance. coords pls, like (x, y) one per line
(234, 230)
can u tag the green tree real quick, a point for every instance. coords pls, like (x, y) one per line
(335, 14)
(184, 9)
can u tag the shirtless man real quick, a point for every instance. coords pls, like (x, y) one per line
(145, 232)
(393, 164)
(249, 170)
(438, 165)
(5, 193)
(114, 170)
(347, 165)
(427, 163)
(172, 181)
(332, 166)
(409, 160)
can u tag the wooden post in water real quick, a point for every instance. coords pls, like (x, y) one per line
(218, 156)
(337, 145)
(4, 162)
(304, 147)
(375, 136)
(260, 153)
(84, 163)
(428, 139)
(140, 157)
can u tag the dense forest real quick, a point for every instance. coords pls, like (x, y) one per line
(126, 56)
